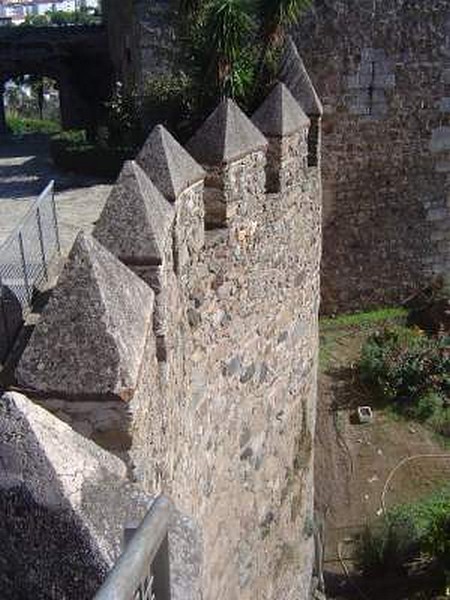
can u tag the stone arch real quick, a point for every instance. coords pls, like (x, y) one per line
(77, 58)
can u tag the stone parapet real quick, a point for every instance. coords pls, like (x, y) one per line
(221, 411)
(180, 178)
(232, 150)
(285, 125)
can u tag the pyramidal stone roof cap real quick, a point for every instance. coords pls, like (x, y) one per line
(91, 336)
(135, 224)
(75, 487)
(280, 114)
(171, 168)
(294, 74)
(225, 136)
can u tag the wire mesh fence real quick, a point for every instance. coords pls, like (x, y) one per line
(24, 259)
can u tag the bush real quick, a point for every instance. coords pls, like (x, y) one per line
(168, 99)
(431, 520)
(71, 151)
(386, 547)
(405, 533)
(409, 369)
(21, 126)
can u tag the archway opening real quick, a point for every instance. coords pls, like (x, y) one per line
(31, 104)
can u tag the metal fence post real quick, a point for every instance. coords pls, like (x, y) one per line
(4, 319)
(24, 268)
(161, 571)
(55, 219)
(41, 242)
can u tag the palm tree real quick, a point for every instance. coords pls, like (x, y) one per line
(227, 24)
(276, 16)
(189, 8)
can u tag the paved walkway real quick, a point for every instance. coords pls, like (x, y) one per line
(26, 169)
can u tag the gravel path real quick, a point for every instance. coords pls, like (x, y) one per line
(25, 170)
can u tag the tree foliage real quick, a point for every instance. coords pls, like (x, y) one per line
(230, 41)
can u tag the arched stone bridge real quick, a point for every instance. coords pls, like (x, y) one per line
(77, 57)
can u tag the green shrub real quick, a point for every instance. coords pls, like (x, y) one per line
(21, 126)
(71, 151)
(409, 369)
(387, 546)
(440, 420)
(427, 406)
(72, 137)
(405, 533)
(431, 520)
(168, 99)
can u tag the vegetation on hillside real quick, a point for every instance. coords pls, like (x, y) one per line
(406, 535)
(410, 370)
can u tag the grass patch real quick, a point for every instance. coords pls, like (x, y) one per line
(337, 331)
(365, 319)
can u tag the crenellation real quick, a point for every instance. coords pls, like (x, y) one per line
(180, 179)
(285, 125)
(221, 411)
(232, 150)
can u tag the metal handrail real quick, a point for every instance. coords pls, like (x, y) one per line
(145, 562)
(25, 256)
(32, 209)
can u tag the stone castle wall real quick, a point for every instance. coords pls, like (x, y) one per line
(141, 38)
(382, 70)
(207, 383)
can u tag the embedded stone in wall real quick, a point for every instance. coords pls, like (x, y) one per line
(233, 151)
(57, 492)
(440, 140)
(368, 85)
(285, 125)
(180, 178)
(90, 339)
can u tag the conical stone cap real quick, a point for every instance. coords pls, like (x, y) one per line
(225, 136)
(90, 339)
(167, 163)
(135, 224)
(294, 74)
(280, 114)
(57, 491)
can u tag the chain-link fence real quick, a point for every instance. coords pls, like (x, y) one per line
(24, 260)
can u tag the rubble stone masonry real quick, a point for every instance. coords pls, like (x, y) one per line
(215, 403)
(382, 70)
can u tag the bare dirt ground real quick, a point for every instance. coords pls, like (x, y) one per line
(353, 461)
